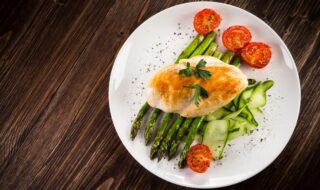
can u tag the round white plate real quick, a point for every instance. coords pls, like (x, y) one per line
(157, 42)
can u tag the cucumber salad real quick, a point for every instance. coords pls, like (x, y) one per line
(204, 97)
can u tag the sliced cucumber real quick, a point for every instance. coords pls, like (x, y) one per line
(246, 112)
(218, 114)
(236, 118)
(216, 136)
(256, 111)
(198, 137)
(238, 130)
(251, 81)
(235, 114)
(258, 97)
(241, 127)
(236, 100)
(245, 99)
(228, 106)
(245, 96)
(232, 125)
(247, 124)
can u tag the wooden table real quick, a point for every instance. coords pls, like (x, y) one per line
(55, 125)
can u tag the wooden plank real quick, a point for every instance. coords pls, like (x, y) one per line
(39, 82)
(55, 125)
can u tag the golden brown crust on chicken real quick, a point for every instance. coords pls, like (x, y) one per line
(166, 89)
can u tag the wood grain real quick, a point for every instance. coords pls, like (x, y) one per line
(55, 125)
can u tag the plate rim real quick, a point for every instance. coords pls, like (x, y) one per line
(253, 173)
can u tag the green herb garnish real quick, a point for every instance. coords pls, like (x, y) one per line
(205, 75)
(187, 71)
(199, 92)
(197, 71)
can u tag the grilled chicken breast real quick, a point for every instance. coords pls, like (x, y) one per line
(166, 90)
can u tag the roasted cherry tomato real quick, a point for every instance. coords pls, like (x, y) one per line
(206, 21)
(199, 158)
(256, 54)
(236, 37)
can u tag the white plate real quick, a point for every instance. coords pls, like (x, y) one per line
(157, 42)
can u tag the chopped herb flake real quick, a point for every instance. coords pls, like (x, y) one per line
(199, 92)
(204, 74)
(197, 71)
(187, 71)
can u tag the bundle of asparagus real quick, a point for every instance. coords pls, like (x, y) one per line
(168, 142)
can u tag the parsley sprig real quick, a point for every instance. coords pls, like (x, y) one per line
(187, 71)
(197, 71)
(199, 92)
(204, 74)
(200, 73)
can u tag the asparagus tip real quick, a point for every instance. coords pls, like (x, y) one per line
(132, 136)
(152, 154)
(159, 158)
(181, 163)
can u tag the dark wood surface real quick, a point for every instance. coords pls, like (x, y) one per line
(55, 125)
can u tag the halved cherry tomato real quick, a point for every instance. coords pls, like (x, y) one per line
(206, 21)
(236, 37)
(256, 54)
(199, 158)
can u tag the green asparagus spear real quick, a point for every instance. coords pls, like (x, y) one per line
(191, 47)
(186, 53)
(175, 143)
(199, 50)
(211, 49)
(205, 44)
(160, 134)
(217, 54)
(165, 143)
(151, 124)
(197, 123)
(236, 62)
(192, 133)
(227, 57)
(137, 122)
